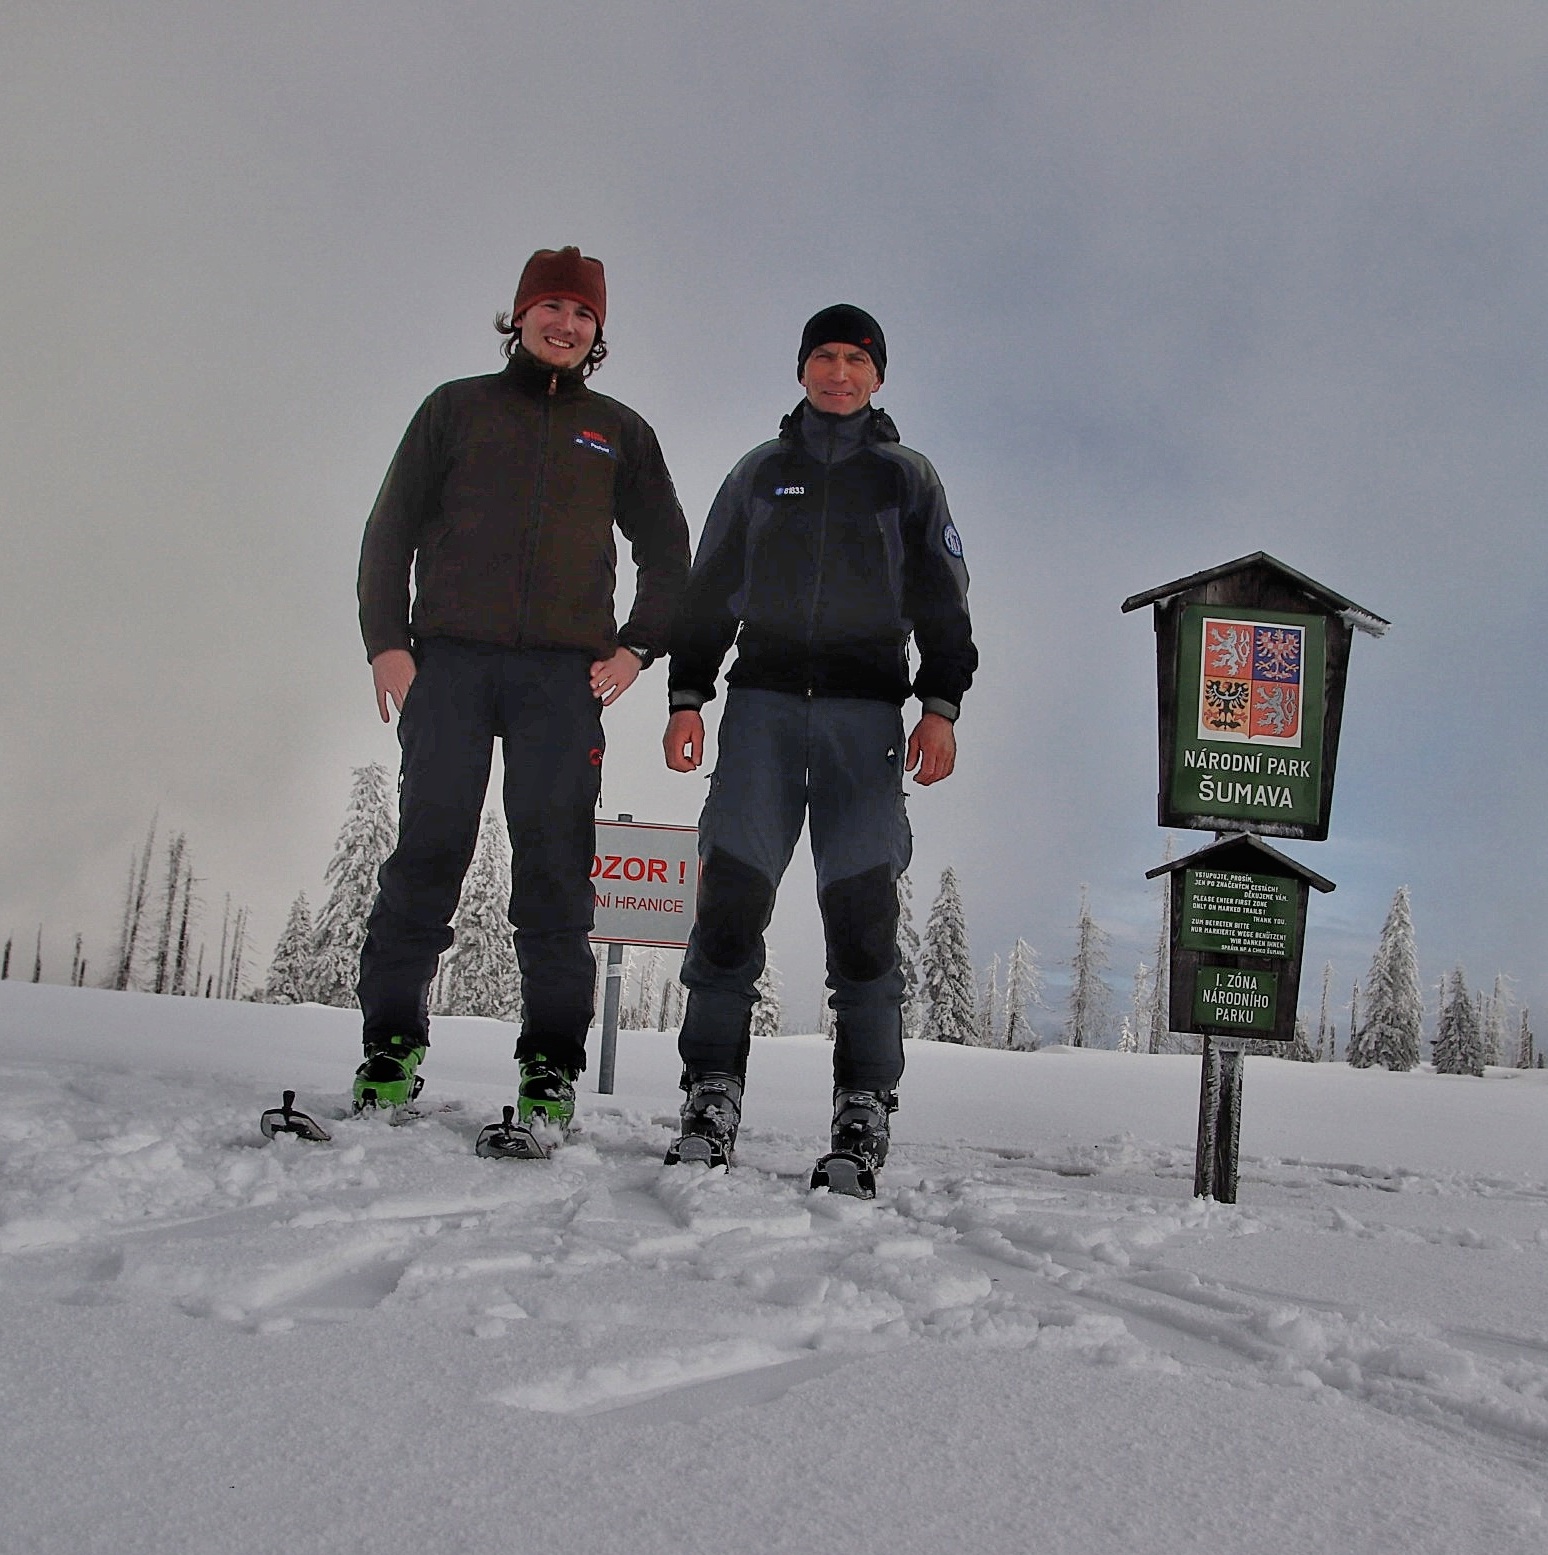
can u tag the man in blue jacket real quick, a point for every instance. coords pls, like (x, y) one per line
(825, 550)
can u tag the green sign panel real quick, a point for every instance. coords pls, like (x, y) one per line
(1228, 999)
(1237, 914)
(1250, 692)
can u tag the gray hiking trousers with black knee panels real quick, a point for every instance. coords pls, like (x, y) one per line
(783, 757)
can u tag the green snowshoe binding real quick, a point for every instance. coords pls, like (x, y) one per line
(389, 1077)
(546, 1094)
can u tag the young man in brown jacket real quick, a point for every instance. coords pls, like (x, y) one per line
(503, 498)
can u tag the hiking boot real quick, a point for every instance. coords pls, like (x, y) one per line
(860, 1123)
(389, 1076)
(711, 1115)
(546, 1094)
(859, 1143)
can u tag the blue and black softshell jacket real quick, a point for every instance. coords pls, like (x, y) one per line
(824, 550)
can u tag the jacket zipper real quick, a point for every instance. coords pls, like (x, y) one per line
(822, 549)
(537, 516)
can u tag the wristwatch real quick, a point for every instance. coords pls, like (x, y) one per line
(646, 656)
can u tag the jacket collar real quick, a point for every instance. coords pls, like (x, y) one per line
(536, 378)
(830, 438)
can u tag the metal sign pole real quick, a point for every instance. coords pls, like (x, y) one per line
(612, 997)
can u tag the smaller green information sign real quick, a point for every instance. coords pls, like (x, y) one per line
(1228, 999)
(1233, 913)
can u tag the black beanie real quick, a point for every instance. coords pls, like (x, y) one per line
(850, 326)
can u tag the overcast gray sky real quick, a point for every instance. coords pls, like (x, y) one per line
(1162, 285)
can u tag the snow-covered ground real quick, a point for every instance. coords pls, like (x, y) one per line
(1035, 1340)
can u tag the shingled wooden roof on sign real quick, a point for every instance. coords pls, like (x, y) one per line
(1274, 575)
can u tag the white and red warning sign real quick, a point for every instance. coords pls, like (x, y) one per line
(646, 880)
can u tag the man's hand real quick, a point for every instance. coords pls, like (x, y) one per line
(932, 747)
(610, 678)
(393, 671)
(684, 740)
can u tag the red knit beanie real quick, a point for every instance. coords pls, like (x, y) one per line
(564, 272)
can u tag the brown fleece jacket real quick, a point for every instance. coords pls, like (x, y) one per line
(503, 495)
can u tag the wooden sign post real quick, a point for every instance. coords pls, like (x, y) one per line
(1251, 662)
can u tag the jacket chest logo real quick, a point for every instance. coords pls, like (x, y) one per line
(790, 491)
(596, 443)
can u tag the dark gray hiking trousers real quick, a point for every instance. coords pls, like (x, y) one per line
(538, 704)
(782, 758)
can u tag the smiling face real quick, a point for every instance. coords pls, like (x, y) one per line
(839, 378)
(558, 332)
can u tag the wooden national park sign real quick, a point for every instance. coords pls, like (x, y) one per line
(1251, 662)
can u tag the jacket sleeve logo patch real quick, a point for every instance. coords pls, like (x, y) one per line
(790, 491)
(596, 443)
(952, 540)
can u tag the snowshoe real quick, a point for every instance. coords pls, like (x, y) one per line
(541, 1118)
(711, 1115)
(509, 1140)
(389, 1076)
(859, 1143)
(841, 1172)
(284, 1119)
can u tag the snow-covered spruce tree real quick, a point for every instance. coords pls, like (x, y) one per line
(908, 961)
(989, 1032)
(1157, 1030)
(1023, 987)
(1355, 1054)
(365, 840)
(1524, 1044)
(1458, 1044)
(827, 1018)
(482, 976)
(768, 1016)
(1090, 997)
(643, 1006)
(290, 973)
(947, 987)
(1134, 1028)
(1326, 1036)
(669, 1011)
(1394, 1006)
(1496, 1022)
(1301, 1049)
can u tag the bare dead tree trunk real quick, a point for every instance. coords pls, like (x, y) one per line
(134, 910)
(238, 945)
(164, 944)
(225, 926)
(180, 966)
